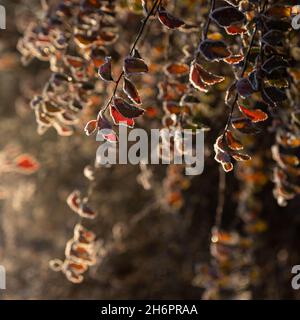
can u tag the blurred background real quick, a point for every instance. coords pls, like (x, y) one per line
(151, 252)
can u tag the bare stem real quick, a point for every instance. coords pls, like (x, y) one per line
(206, 28)
(221, 197)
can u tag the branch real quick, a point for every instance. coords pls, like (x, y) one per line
(206, 28)
(242, 75)
(144, 22)
(221, 197)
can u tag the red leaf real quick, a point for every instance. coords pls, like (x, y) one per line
(119, 119)
(234, 30)
(74, 200)
(127, 110)
(177, 69)
(235, 59)
(169, 20)
(26, 163)
(134, 65)
(255, 115)
(195, 79)
(214, 50)
(105, 70)
(232, 142)
(208, 77)
(131, 91)
(91, 127)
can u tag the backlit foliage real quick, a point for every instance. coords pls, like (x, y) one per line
(229, 68)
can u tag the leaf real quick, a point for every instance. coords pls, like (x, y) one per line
(244, 88)
(227, 16)
(169, 20)
(274, 63)
(273, 38)
(119, 119)
(255, 115)
(221, 155)
(230, 94)
(240, 156)
(134, 65)
(176, 69)
(74, 200)
(91, 127)
(235, 29)
(244, 125)
(103, 123)
(227, 166)
(196, 80)
(105, 128)
(273, 95)
(86, 212)
(223, 158)
(208, 78)
(232, 142)
(214, 50)
(131, 91)
(26, 163)
(105, 70)
(234, 59)
(127, 110)
(83, 235)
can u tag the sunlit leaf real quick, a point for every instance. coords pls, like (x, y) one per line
(127, 110)
(255, 115)
(177, 69)
(169, 20)
(232, 142)
(119, 119)
(105, 70)
(131, 91)
(214, 50)
(134, 65)
(91, 127)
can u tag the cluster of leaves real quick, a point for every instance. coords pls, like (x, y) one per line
(80, 253)
(72, 37)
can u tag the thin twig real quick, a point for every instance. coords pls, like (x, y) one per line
(221, 197)
(206, 28)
